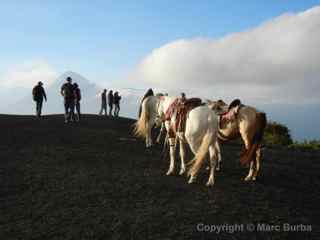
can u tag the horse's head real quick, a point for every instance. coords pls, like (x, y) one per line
(218, 106)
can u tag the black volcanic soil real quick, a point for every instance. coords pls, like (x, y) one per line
(93, 180)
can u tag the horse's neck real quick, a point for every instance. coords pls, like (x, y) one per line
(165, 103)
(232, 128)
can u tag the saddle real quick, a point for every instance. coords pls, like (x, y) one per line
(182, 111)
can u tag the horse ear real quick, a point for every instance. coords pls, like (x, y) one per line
(221, 102)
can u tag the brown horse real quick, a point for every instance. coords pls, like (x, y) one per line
(238, 120)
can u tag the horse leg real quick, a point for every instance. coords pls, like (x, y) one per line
(172, 143)
(218, 150)
(251, 170)
(194, 146)
(247, 146)
(160, 133)
(182, 156)
(258, 162)
(149, 136)
(213, 163)
(147, 141)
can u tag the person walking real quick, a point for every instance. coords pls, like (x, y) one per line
(39, 94)
(110, 102)
(116, 102)
(103, 102)
(77, 99)
(68, 95)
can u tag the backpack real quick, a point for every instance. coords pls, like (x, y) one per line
(68, 90)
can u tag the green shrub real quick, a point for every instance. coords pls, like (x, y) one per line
(277, 134)
(313, 145)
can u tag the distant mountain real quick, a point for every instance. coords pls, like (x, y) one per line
(90, 92)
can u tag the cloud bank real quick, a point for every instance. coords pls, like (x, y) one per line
(278, 61)
(28, 74)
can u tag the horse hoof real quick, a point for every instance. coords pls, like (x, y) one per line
(170, 172)
(191, 180)
(182, 171)
(210, 183)
(247, 179)
(254, 178)
(218, 169)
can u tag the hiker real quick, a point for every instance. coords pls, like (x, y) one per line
(103, 102)
(39, 94)
(77, 99)
(110, 102)
(68, 95)
(116, 102)
(148, 94)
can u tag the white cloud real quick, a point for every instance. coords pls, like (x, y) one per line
(278, 61)
(28, 74)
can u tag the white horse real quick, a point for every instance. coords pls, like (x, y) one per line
(202, 136)
(201, 123)
(153, 111)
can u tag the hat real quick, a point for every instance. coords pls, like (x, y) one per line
(40, 83)
(69, 79)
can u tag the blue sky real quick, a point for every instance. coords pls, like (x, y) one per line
(105, 39)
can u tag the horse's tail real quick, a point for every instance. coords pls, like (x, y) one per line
(261, 124)
(141, 125)
(201, 154)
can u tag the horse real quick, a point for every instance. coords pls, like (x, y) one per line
(154, 110)
(201, 134)
(245, 122)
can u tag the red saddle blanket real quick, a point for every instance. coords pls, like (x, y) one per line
(181, 109)
(170, 111)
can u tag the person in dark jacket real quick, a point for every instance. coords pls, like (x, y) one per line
(77, 99)
(116, 102)
(39, 94)
(103, 102)
(110, 102)
(68, 96)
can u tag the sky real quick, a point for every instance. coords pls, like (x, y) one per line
(264, 52)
